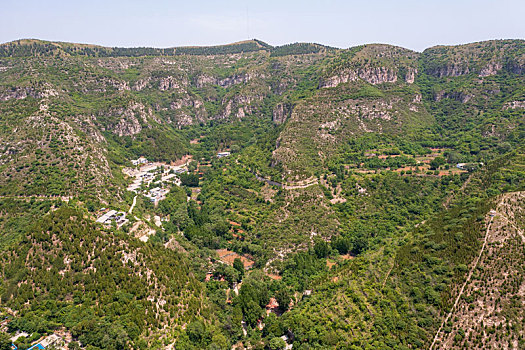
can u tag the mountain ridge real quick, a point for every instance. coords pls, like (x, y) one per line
(261, 44)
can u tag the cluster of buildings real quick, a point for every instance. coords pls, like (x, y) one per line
(110, 216)
(139, 161)
(156, 194)
(146, 174)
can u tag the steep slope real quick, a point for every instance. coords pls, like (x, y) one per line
(100, 108)
(487, 311)
(446, 271)
(476, 89)
(68, 273)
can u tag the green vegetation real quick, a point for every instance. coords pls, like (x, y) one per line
(351, 208)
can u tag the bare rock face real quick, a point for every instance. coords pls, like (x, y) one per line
(416, 102)
(410, 76)
(186, 101)
(119, 85)
(19, 93)
(178, 104)
(341, 78)
(239, 101)
(236, 79)
(129, 123)
(203, 80)
(458, 96)
(450, 71)
(127, 126)
(140, 84)
(514, 105)
(378, 75)
(280, 113)
(491, 69)
(171, 83)
(240, 113)
(227, 110)
(372, 75)
(183, 120)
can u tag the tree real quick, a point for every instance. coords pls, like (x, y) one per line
(437, 162)
(272, 326)
(231, 275)
(192, 166)
(283, 298)
(321, 249)
(197, 332)
(73, 346)
(219, 341)
(190, 180)
(252, 312)
(239, 266)
(342, 244)
(277, 344)
(5, 342)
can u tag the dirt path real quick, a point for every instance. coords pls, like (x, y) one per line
(387, 275)
(469, 276)
(301, 185)
(133, 205)
(38, 198)
(288, 186)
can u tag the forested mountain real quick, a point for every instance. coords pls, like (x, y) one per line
(370, 197)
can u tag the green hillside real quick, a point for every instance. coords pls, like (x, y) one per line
(365, 198)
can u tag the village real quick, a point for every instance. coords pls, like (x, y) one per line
(150, 179)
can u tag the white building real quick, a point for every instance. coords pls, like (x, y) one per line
(106, 217)
(112, 215)
(223, 154)
(139, 161)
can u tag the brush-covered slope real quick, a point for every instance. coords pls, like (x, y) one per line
(476, 89)
(70, 116)
(445, 281)
(367, 89)
(68, 273)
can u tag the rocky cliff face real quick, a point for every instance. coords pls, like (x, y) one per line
(454, 95)
(491, 69)
(452, 70)
(19, 93)
(140, 84)
(372, 75)
(130, 118)
(410, 76)
(170, 82)
(281, 112)
(240, 105)
(205, 79)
